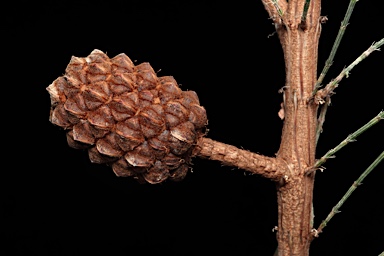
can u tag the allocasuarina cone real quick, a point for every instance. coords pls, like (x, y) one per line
(125, 116)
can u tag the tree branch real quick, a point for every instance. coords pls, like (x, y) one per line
(323, 96)
(328, 90)
(350, 138)
(268, 167)
(336, 44)
(349, 192)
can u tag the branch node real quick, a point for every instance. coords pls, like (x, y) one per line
(356, 184)
(314, 232)
(335, 211)
(350, 138)
(319, 100)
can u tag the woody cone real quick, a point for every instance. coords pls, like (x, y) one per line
(125, 116)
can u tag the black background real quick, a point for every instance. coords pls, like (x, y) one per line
(55, 202)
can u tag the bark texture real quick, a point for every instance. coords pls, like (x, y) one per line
(229, 155)
(299, 37)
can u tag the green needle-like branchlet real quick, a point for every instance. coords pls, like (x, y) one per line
(335, 46)
(350, 138)
(279, 11)
(333, 84)
(328, 90)
(305, 11)
(355, 184)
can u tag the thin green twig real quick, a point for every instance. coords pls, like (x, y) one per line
(279, 11)
(349, 192)
(351, 138)
(305, 11)
(334, 83)
(328, 90)
(321, 118)
(335, 46)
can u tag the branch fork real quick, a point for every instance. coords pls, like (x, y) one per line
(350, 138)
(320, 95)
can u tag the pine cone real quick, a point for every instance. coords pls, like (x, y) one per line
(125, 116)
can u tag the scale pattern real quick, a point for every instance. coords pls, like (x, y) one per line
(125, 116)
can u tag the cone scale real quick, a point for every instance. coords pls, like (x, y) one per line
(125, 116)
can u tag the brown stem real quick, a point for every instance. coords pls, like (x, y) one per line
(299, 39)
(229, 155)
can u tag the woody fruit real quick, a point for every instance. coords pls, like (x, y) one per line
(125, 116)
